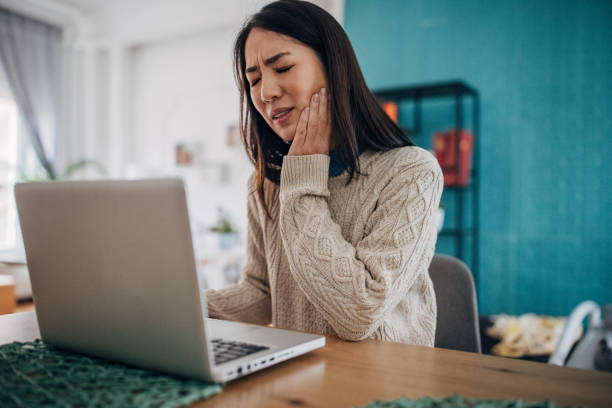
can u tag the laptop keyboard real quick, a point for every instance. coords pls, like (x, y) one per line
(225, 350)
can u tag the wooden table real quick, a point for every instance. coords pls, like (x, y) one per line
(344, 374)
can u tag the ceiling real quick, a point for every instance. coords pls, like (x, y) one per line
(135, 22)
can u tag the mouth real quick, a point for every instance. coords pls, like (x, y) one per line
(279, 115)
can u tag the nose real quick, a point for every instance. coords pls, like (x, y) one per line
(270, 89)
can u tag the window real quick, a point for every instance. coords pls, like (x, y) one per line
(17, 159)
(9, 119)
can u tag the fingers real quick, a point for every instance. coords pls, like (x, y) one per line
(312, 133)
(313, 118)
(302, 126)
(323, 112)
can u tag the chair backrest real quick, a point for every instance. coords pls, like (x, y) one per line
(457, 322)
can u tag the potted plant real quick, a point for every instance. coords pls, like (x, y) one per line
(68, 173)
(225, 231)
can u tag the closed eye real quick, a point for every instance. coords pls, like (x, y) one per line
(284, 69)
(280, 71)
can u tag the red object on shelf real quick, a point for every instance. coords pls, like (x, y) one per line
(456, 168)
(390, 109)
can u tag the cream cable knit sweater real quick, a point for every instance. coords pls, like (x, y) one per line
(350, 260)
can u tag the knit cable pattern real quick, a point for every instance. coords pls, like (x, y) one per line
(355, 287)
(349, 260)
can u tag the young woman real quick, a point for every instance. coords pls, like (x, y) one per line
(341, 205)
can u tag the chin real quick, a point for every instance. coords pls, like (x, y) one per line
(286, 137)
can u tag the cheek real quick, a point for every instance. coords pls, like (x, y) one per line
(306, 87)
(303, 93)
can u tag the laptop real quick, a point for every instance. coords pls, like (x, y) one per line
(114, 276)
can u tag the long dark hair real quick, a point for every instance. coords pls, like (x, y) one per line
(357, 119)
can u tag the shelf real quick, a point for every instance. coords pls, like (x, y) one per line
(462, 195)
(410, 132)
(470, 186)
(450, 88)
(453, 232)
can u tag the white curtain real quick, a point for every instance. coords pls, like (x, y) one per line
(31, 55)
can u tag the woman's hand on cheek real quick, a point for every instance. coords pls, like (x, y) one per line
(313, 132)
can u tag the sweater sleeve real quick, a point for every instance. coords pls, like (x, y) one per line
(249, 300)
(356, 287)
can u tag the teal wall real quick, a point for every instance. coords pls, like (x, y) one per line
(544, 73)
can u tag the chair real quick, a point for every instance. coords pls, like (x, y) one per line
(457, 321)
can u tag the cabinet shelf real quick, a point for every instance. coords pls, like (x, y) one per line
(442, 89)
(458, 90)
(451, 232)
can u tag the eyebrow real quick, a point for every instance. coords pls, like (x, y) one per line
(269, 61)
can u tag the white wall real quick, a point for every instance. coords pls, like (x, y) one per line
(144, 75)
(176, 85)
(183, 91)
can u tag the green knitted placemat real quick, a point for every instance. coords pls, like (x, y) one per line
(458, 401)
(33, 374)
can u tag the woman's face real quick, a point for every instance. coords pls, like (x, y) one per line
(283, 74)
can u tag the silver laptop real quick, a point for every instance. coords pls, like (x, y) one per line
(114, 276)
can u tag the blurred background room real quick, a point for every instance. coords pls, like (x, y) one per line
(512, 97)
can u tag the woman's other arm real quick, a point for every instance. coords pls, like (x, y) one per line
(249, 300)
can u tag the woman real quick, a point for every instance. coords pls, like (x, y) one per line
(342, 205)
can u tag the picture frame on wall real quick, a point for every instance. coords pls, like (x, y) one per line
(188, 153)
(232, 136)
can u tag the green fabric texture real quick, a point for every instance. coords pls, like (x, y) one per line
(458, 401)
(33, 374)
